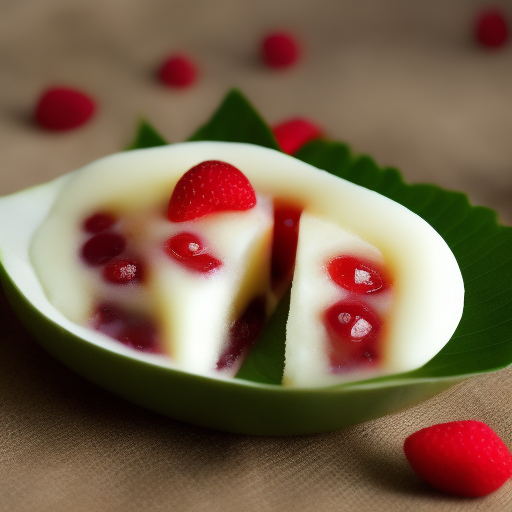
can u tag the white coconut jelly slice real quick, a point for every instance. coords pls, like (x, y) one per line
(197, 310)
(428, 289)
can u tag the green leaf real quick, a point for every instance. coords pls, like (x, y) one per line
(236, 120)
(482, 247)
(146, 137)
(265, 362)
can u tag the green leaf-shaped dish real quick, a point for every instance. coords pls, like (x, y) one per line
(255, 402)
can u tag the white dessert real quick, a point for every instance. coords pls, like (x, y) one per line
(427, 283)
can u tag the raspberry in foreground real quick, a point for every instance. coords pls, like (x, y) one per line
(280, 50)
(292, 134)
(465, 458)
(63, 108)
(491, 29)
(178, 71)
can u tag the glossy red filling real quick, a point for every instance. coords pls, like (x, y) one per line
(123, 271)
(189, 250)
(353, 329)
(357, 275)
(101, 248)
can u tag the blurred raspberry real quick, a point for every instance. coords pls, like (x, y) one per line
(491, 29)
(280, 50)
(178, 71)
(63, 108)
(292, 134)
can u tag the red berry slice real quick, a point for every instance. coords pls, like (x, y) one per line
(291, 135)
(101, 248)
(123, 271)
(210, 186)
(243, 334)
(284, 242)
(356, 275)
(280, 50)
(98, 222)
(491, 29)
(62, 108)
(178, 71)
(134, 330)
(189, 250)
(465, 458)
(353, 330)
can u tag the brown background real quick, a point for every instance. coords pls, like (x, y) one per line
(400, 80)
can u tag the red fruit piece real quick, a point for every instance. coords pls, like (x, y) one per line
(292, 134)
(134, 330)
(189, 250)
(98, 222)
(101, 248)
(280, 50)
(178, 71)
(123, 271)
(284, 242)
(353, 329)
(243, 334)
(210, 186)
(356, 275)
(62, 108)
(466, 458)
(491, 29)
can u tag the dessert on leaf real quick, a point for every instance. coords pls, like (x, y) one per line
(188, 257)
(330, 301)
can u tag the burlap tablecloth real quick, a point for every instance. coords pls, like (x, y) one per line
(400, 80)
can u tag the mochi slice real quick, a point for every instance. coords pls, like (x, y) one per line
(198, 309)
(413, 319)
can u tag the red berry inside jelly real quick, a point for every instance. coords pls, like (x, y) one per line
(99, 222)
(123, 271)
(353, 330)
(134, 330)
(356, 275)
(244, 333)
(101, 248)
(284, 242)
(189, 250)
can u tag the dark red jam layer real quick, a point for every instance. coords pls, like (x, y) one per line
(243, 334)
(132, 329)
(284, 243)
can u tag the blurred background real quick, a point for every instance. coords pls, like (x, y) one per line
(404, 81)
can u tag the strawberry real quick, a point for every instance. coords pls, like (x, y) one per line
(62, 108)
(292, 134)
(208, 187)
(466, 458)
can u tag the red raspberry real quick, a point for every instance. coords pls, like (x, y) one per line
(178, 71)
(210, 186)
(466, 458)
(280, 50)
(61, 108)
(491, 29)
(292, 134)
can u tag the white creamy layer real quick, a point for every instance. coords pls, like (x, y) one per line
(428, 287)
(313, 292)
